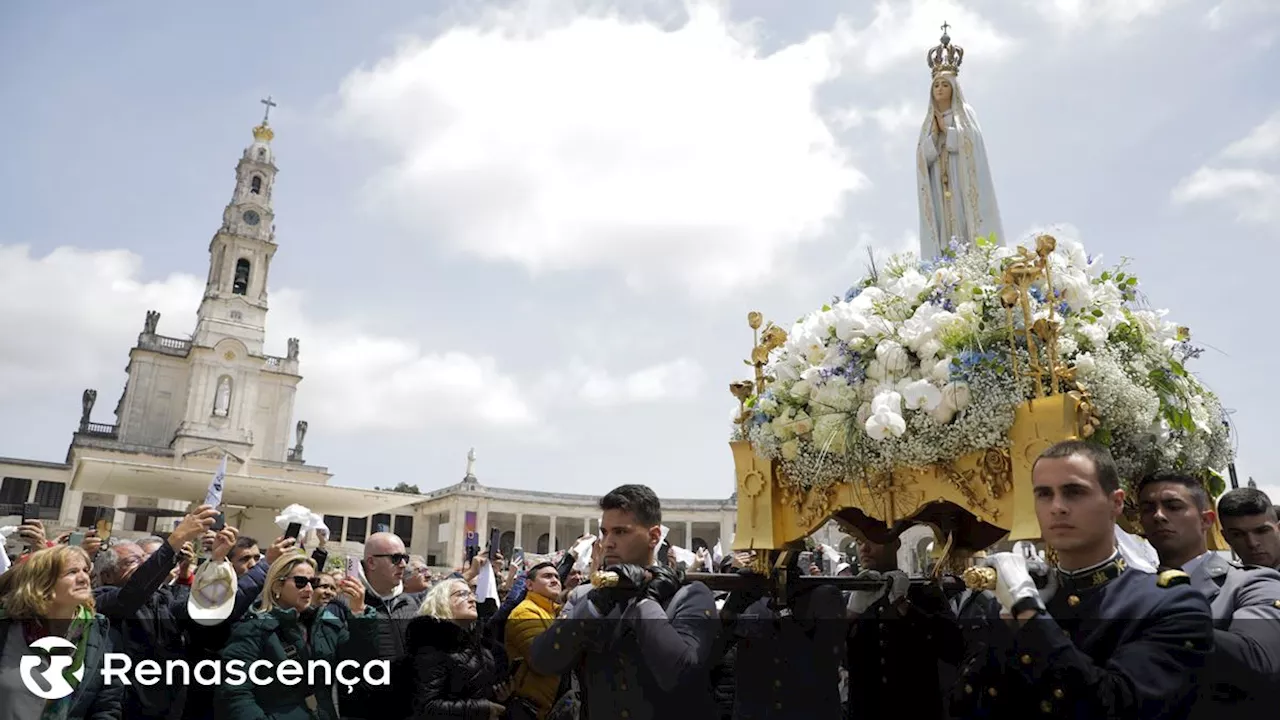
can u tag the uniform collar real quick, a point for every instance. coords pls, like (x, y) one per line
(1094, 576)
(1194, 563)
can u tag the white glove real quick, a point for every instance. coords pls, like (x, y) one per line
(1013, 580)
(899, 584)
(860, 600)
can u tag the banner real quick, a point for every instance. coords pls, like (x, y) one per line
(469, 526)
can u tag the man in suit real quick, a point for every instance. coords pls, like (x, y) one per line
(1245, 599)
(1102, 640)
(643, 645)
(1250, 527)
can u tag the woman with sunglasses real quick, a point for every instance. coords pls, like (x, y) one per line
(287, 627)
(457, 670)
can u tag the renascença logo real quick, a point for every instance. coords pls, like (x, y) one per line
(53, 678)
(119, 669)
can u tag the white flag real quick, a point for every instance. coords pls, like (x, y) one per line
(213, 498)
(486, 584)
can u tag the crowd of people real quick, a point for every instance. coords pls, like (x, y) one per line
(1091, 637)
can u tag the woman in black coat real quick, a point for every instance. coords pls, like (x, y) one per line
(458, 673)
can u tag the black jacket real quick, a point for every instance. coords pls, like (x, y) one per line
(455, 670)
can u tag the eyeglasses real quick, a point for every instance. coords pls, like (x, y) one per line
(462, 594)
(396, 558)
(301, 582)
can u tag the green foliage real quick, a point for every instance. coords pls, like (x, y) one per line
(402, 487)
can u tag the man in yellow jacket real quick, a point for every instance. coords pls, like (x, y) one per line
(527, 621)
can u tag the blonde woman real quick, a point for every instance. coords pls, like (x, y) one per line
(287, 627)
(459, 674)
(50, 596)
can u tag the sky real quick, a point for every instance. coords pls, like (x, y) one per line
(536, 228)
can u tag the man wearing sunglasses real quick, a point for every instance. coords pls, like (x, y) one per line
(385, 561)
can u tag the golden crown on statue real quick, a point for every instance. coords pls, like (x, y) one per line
(945, 57)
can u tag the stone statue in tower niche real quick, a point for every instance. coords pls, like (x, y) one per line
(152, 322)
(471, 463)
(301, 433)
(956, 195)
(86, 406)
(222, 398)
(293, 348)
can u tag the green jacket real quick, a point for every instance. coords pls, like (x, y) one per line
(278, 635)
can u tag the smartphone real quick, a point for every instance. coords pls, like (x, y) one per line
(103, 521)
(219, 522)
(293, 530)
(495, 537)
(353, 567)
(472, 551)
(76, 540)
(516, 665)
(806, 559)
(517, 556)
(30, 511)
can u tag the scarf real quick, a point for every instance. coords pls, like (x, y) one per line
(78, 634)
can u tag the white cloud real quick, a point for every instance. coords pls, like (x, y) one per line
(1253, 192)
(897, 30)
(1073, 14)
(892, 120)
(675, 380)
(1262, 143)
(70, 317)
(604, 142)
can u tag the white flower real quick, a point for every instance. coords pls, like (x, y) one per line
(829, 433)
(864, 412)
(834, 396)
(1094, 333)
(893, 356)
(803, 424)
(941, 370)
(875, 370)
(945, 276)
(884, 424)
(909, 286)
(786, 372)
(1085, 364)
(790, 449)
(800, 389)
(1076, 290)
(929, 348)
(887, 401)
(781, 427)
(768, 405)
(943, 414)
(956, 395)
(921, 395)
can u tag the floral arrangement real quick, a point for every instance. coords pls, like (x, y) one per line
(918, 364)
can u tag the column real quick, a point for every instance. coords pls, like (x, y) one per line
(72, 502)
(482, 527)
(688, 535)
(457, 551)
(551, 535)
(586, 526)
(519, 530)
(120, 521)
(726, 532)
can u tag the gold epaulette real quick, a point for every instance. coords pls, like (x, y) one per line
(1170, 578)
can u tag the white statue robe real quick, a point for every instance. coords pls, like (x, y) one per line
(971, 211)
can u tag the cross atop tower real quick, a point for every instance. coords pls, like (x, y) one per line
(945, 27)
(269, 105)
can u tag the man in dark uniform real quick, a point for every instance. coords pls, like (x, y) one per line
(1244, 668)
(1102, 640)
(1250, 526)
(787, 662)
(643, 646)
(898, 635)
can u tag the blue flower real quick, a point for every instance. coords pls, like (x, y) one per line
(852, 293)
(1036, 292)
(1064, 308)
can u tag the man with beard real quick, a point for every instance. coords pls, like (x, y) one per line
(1245, 599)
(1102, 640)
(645, 642)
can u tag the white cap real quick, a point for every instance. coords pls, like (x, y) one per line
(213, 593)
(842, 567)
